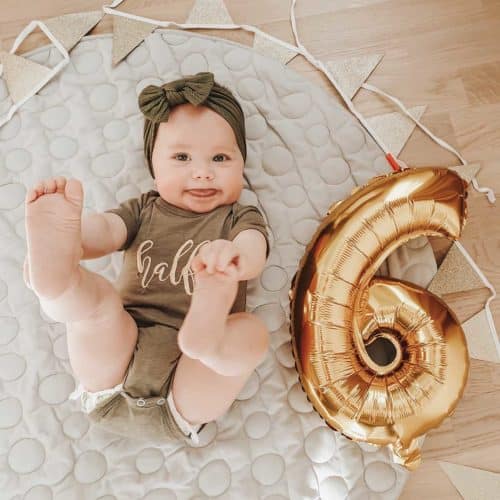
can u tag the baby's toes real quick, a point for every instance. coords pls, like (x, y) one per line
(50, 186)
(34, 192)
(60, 184)
(39, 188)
(42, 187)
(31, 195)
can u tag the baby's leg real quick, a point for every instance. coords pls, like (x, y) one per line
(207, 332)
(201, 394)
(101, 335)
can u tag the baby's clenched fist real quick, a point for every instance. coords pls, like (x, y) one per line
(218, 256)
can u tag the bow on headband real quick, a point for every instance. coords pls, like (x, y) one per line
(156, 102)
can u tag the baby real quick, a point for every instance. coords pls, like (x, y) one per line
(173, 346)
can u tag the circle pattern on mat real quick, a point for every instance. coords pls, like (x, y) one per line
(333, 488)
(160, 494)
(104, 97)
(27, 455)
(320, 445)
(12, 366)
(11, 412)
(379, 476)
(90, 467)
(18, 160)
(214, 479)
(39, 492)
(268, 469)
(9, 330)
(257, 425)
(55, 118)
(87, 62)
(149, 460)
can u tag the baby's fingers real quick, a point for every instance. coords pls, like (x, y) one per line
(197, 264)
(210, 260)
(226, 258)
(232, 271)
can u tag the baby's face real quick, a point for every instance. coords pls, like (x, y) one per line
(197, 149)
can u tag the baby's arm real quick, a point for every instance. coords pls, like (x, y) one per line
(102, 234)
(252, 246)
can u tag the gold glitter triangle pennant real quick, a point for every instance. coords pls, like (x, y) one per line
(350, 73)
(127, 35)
(394, 129)
(209, 12)
(467, 172)
(267, 47)
(480, 339)
(455, 275)
(21, 75)
(70, 28)
(471, 483)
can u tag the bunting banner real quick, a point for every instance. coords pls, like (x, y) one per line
(209, 12)
(70, 28)
(481, 341)
(467, 171)
(459, 273)
(395, 129)
(471, 483)
(390, 131)
(352, 72)
(454, 275)
(269, 48)
(21, 75)
(127, 35)
(25, 78)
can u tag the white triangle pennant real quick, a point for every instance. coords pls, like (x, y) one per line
(467, 172)
(267, 47)
(481, 341)
(471, 483)
(21, 75)
(351, 72)
(70, 28)
(209, 12)
(127, 35)
(455, 274)
(394, 129)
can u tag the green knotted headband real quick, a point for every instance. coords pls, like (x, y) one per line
(156, 103)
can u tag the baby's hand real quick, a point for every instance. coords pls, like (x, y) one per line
(218, 256)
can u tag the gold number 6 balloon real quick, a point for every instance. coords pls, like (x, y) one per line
(338, 308)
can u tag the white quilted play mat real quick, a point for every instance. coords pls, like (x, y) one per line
(305, 152)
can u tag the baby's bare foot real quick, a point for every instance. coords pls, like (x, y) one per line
(53, 234)
(203, 328)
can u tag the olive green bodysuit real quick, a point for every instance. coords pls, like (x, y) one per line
(156, 284)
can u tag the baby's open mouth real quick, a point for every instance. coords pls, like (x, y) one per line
(202, 193)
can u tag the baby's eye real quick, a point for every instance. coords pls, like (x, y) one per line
(220, 157)
(181, 156)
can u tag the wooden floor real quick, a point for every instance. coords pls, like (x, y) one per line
(442, 53)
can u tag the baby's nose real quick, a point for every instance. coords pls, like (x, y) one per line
(203, 171)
